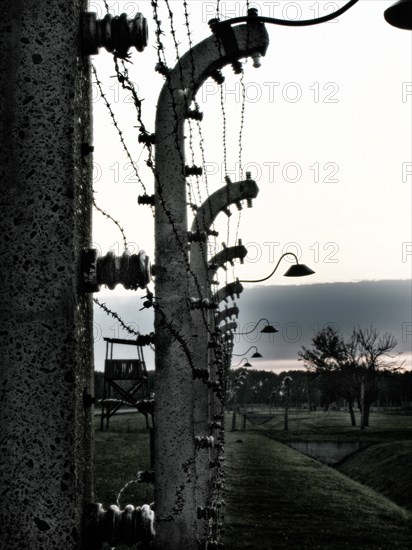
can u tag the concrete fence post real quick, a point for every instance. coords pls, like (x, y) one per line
(46, 335)
(175, 448)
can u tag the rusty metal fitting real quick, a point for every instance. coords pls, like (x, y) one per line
(146, 199)
(117, 34)
(114, 526)
(193, 170)
(204, 442)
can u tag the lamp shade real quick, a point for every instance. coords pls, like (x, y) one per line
(256, 355)
(268, 329)
(298, 270)
(400, 14)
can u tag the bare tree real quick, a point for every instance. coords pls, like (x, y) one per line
(350, 368)
(373, 352)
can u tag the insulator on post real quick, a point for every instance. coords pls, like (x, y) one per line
(208, 512)
(193, 170)
(146, 199)
(213, 23)
(227, 212)
(218, 76)
(204, 442)
(256, 58)
(145, 339)
(249, 203)
(114, 526)
(228, 180)
(146, 476)
(212, 233)
(133, 271)
(248, 175)
(147, 138)
(194, 114)
(162, 69)
(197, 236)
(237, 67)
(239, 206)
(117, 34)
(201, 374)
(216, 425)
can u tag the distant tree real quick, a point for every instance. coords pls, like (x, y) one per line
(350, 368)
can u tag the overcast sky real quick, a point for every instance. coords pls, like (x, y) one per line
(327, 136)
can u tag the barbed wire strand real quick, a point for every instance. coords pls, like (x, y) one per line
(109, 217)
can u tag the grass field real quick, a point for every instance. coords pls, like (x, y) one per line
(277, 498)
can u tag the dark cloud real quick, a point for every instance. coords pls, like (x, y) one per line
(299, 311)
(296, 311)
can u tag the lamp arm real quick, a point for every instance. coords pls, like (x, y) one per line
(277, 265)
(289, 23)
(255, 327)
(241, 354)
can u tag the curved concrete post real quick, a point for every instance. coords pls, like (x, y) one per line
(202, 321)
(174, 436)
(227, 255)
(46, 336)
(226, 314)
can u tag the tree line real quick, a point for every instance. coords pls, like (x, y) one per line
(338, 372)
(352, 372)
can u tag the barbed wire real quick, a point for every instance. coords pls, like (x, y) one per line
(109, 217)
(116, 125)
(116, 316)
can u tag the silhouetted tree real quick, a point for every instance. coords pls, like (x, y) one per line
(343, 367)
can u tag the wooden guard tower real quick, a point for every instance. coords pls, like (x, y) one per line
(117, 370)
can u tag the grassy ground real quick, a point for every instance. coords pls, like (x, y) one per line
(120, 453)
(277, 497)
(335, 426)
(386, 467)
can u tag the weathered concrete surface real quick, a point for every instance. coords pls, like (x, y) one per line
(176, 522)
(45, 319)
